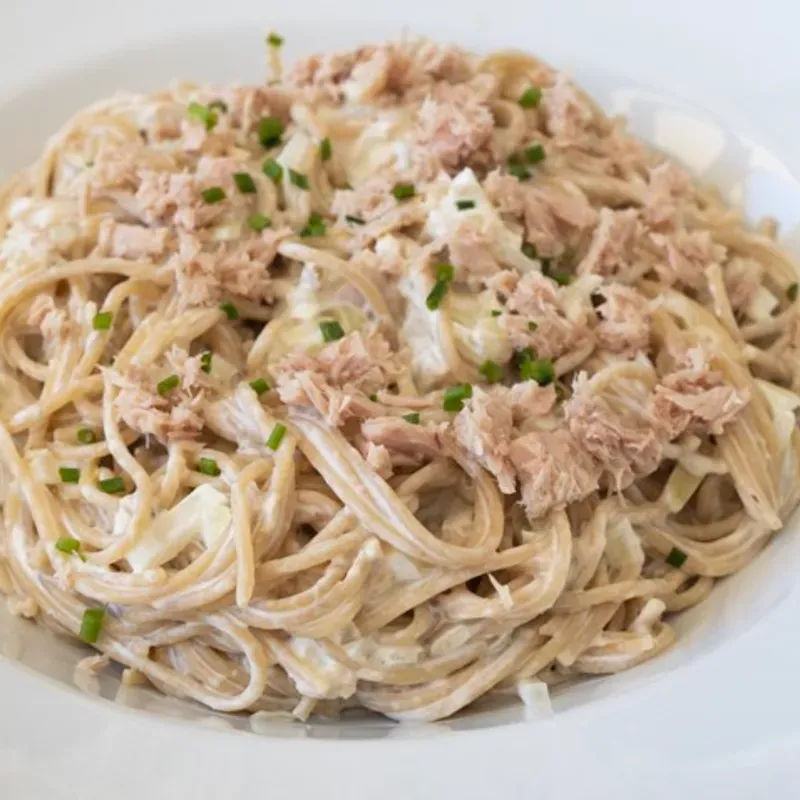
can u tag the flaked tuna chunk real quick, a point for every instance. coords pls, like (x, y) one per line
(164, 198)
(248, 105)
(399, 436)
(567, 117)
(380, 459)
(117, 169)
(623, 442)
(118, 240)
(52, 321)
(527, 399)
(743, 277)
(554, 470)
(170, 415)
(696, 399)
(612, 247)
(368, 201)
(483, 429)
(688, 255)
(470, 247)
(163, 121)
(667, 188)
(625, 320)
(204, 277)
(309, 389)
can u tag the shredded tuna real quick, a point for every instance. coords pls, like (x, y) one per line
(400, 436)
(554, 470)
(470, 247)
(567, 117)
(163, 121)
(668, 187)
(689, 254)
(529, 400)
(372, 199)
(173, 197)
(248, 105)
(117, 169)
(743, 277)
(379, 459)
(625, 326)
(483, 428)
(172, 415)
(131, 241)
(623, 442)
(611, 249)
(696, 399)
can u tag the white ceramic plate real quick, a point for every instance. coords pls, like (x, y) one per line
(717, 716)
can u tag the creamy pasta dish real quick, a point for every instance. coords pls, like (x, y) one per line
(404, 378)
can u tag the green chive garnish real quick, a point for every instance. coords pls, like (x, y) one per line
(205, 361)
(276, 437)
(207, 466)
(315, 226)
(539, 370)
(354, 220)
(86, 436)
(273, 170)
(412, 418)
(465, 205)
(258, 222)
(533, 326)
(259, 386)
(216, 194)
(374, 398)
(402, 191)
(529, 250)
(454, 397)
(534, 154)
(204, 114)
(492, 371)
(547, 264)
(530, 97)
(436, 295)
(273, 40)
(519, 171)
(67, 545)
(220, 105)
(496, 312)
(445, 272)
(112, 485)
(676, 558)
(231, 312)
(792, 291)
(298, 179)
(102, 321)
(168, 384)
(270, 130)
(244, 182)
(69, 474)
(92, 624)
(325, 149)
(561, 278)
(331, 330)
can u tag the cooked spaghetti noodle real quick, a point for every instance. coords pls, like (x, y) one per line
(407, 378)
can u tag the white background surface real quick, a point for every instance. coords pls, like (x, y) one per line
(728, 726)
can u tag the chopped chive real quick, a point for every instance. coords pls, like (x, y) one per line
(92, 624)
(113, 485)
(465, 205)
(402, 191)
(530, 97)
(276, 437)
(69, 474)
(492, 371)
(496, 312)
(331, 330)
(436, 295)
(792, 291)
(454, 397)
(259, 386)
(207, 466)
(561, 278)
(539, 370)
(325, 149)
(258, 222)
(86, 436)
(244, 182)
(445, 272)
(373, 398)
(168, 384)
(676, 558)
(219, 105)
(273, 170)
(354, 220)
(413, 418)
(216, 194)
(102, 321)
(521, 356)
(298, 179)
(231, 312)
(270, 130)
(533, 326)
(205, 362)
(534, 154)
(529, 250)
(204, 114)
(315, 226)
(519, 171)
(274, 40)
(547, 264)
(67, 545)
